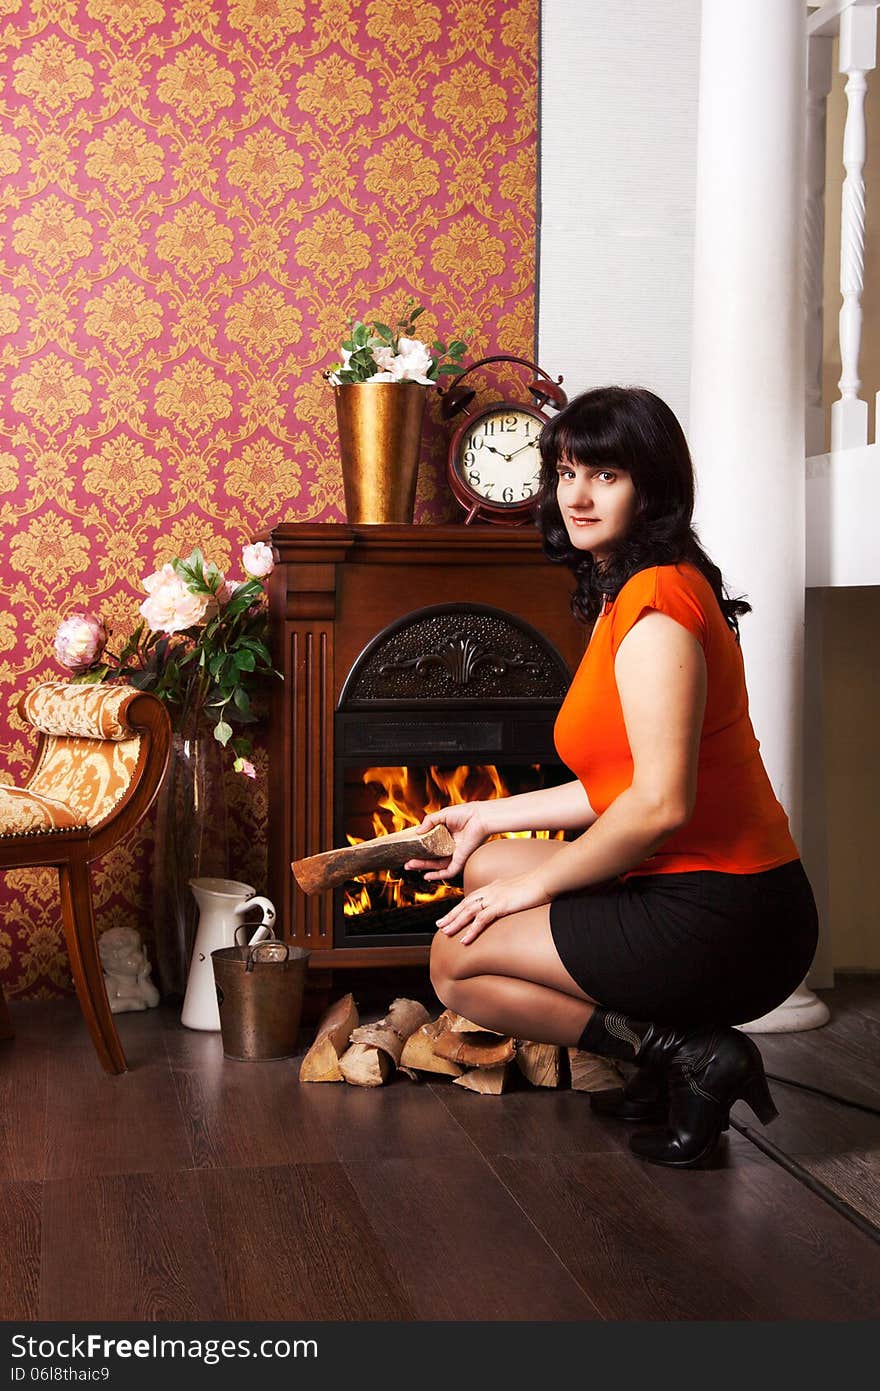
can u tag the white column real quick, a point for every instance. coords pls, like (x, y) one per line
(747, 377)
(819, 53)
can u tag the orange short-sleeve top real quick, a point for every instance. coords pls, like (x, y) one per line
(738, 825)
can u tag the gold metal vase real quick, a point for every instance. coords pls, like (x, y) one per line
(380, 434)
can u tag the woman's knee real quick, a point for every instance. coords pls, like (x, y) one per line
(442, 965)
(499, 859)
(483, 865)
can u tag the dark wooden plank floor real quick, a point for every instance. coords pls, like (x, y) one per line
(198, 1188)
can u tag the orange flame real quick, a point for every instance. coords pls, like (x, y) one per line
(407, 796)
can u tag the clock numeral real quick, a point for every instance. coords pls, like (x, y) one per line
(470, 458)
(474, 478)
(489, 427)
(528, 490)
(507, 495)
(510, 423)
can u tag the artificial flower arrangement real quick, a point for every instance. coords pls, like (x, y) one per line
(200, 646)
(375, 352)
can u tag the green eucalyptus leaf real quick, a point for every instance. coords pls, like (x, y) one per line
(142, 680)
(223, 732)
(258, 648)
(245, 659)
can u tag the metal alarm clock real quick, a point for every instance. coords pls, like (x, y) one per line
(493, 464)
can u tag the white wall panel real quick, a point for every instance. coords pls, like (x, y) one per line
(619, 85)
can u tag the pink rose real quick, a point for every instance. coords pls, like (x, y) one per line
(244, 765)
(225, 592)
(258, 560)
(172, 606)
(80, 640)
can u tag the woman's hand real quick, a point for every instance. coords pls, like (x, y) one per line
(478, 910)
(466, 825)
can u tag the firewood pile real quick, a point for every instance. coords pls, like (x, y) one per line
(408, 1040)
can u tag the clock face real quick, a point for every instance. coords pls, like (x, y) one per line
(497, 457)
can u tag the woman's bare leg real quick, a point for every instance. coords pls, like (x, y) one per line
(510, 978)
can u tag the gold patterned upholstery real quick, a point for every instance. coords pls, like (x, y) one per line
(66, 708)
(23, 813)
(102, 754)
(87, 759)
(90, 775)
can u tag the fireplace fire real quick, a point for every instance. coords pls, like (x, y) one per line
(381, 800)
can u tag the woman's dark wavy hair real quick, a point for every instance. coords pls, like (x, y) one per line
(630, 429)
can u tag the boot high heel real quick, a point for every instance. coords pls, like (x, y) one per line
(710, 1073)
(707, 1071)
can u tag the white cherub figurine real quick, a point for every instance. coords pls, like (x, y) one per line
(126, 970)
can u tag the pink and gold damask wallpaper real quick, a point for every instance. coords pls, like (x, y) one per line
(195, 194)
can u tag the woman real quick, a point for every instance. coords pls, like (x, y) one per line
(682, 907)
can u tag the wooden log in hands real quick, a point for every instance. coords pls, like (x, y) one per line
(333, 867)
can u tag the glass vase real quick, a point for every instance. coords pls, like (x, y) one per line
(192, 842)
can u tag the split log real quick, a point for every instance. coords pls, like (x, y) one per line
(457, 1024)
(418, 1052)
(376, 1048)
(489, 1081)
(391, 1033)
(321, 1063)
(590, 1073)
(365, 1066)
(475, 1049)
(538, 1063)
(333, 867)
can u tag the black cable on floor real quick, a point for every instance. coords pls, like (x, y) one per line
(818, 1091)
(785, 1161)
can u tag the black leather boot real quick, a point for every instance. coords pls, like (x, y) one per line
(707, 1070)
(643, 1098)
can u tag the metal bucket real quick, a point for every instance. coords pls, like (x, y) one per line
(260, 994)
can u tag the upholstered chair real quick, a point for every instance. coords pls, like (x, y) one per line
(101, 757)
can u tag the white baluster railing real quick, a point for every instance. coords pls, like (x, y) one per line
(855, 22)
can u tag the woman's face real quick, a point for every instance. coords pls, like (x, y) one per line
(597, 503)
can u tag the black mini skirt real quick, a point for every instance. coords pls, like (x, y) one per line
(702, 947)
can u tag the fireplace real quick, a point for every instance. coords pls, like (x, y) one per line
(422, 665)
(466, 694)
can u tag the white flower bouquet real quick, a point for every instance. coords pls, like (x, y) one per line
(375, 352)
(200, 645)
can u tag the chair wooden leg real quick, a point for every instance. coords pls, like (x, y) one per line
(85, 964)
(6, 1029)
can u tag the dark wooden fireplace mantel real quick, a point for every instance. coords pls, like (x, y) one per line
(334, 588)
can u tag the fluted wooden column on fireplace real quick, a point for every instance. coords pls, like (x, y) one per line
(334, 588)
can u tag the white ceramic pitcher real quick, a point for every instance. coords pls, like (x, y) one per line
(223, 904)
